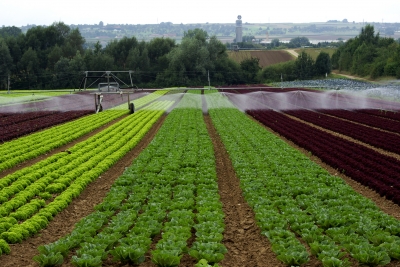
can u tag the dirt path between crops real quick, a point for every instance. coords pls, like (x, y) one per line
(348, 76)
(292, 52)
(242, 237)
(62, 224)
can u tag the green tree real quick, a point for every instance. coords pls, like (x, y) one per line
(62, 77)
(323, 64)
(304, 67)
(275, 43)
(5, 63)
(273, 73)
(29, 61)
(77, 67)
(119, 50)
(299, 42)
(73, 43)
(392, 67)
(198, 34)
(368, 36)
(54, 56)
(14, 47)
(250, 68)
(98, 48)
(132, 61)
(158, 49)
(189, 62)
(10, 31)
(362, 59)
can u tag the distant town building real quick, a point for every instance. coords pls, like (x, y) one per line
(239, 36)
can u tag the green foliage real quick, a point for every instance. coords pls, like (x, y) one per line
(250, 68)
(10, 31)
(274, 73)
(204, 263)
(6, 63)
(86, 261)
(368, 54)
(304, 67)
(163, 258)
(299, 42)
(48, 260)
(12, 237)
(323, 64)
(4, 247)
(57, 51)
(128, 254)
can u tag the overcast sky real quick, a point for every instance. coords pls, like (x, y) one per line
(41, 12)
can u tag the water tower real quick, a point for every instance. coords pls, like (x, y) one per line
(239, 36)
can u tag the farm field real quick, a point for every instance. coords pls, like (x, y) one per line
(266, 58)
(238, 177)
(314, 52)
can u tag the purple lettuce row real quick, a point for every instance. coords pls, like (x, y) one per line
(374, 137)
(370, 168)
(393, 115)
(26, 127)
(15, 118)
(364, 118)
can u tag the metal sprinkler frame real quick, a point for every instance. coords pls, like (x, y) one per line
(106, 75)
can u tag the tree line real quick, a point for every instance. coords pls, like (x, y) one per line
(369, 54)
(57, 56)
(366, 55)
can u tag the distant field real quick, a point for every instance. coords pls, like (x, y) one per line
(314, 52)
(267, 58)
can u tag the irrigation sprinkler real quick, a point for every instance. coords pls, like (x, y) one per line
(105, 75)
(99, 96)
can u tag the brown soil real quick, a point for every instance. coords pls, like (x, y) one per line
(62, 224)
(348, 75)
(242, 237)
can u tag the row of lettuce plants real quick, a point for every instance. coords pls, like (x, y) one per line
(143, 100)
(168, 191)
(295, 199)
(24, 127)
(61, 178)
(7, 119)
(34, 145)
(364, 118)
(388, 114)
(389, 141)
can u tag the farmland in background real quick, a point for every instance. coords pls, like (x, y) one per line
(266, 58)
(314, 52)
